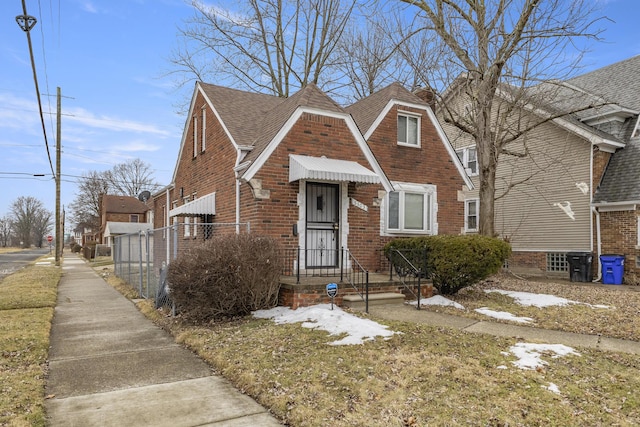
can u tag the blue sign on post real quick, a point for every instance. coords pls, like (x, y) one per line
(332, 291)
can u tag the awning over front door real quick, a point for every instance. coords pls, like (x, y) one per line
(205, 205)
(321, 168)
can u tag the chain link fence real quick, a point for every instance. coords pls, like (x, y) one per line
(141, 259)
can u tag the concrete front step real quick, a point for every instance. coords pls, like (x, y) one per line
(356, 301)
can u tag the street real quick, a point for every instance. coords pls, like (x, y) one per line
(12, 261)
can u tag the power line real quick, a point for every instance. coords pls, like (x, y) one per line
(27, 22)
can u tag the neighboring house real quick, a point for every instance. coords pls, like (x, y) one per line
(114, 229)
(315, 175)
(554, 200)
(120, 209)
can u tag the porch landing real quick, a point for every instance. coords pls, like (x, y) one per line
(312, 290)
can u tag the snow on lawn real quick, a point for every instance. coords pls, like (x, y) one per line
(437, 300)
(503, 315)
(336, 322)
(530, 355)
(540, 300)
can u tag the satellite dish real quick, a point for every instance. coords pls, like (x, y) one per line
(144, 196)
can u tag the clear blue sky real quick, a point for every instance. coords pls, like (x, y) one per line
(109, 58)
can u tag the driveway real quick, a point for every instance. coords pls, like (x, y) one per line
(13, 261)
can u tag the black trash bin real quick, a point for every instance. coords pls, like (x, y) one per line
(580, 266)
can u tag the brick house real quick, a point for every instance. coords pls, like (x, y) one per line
(314, 175)
(116, 215)
(558, 199)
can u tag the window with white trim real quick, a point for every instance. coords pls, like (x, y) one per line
(408, 129)
(195, 136)
(471, 215)
(410, 208)
(203, 125)
(134, 218)
(187, 220)
(187, 227)
(469, 158)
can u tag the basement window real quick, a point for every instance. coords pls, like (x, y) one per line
(557, 262)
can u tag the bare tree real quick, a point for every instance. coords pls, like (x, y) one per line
(85, 207)
(29, 218)
(42, 223)
(131, 178)
(492, 44)
(124, 179)
(5, 231)
(272, 46)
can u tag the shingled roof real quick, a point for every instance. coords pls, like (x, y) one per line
(617, 82)
(274, 119)
(122, 204)
(365, 111)
(621, 182)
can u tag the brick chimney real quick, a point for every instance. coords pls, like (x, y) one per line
(427, 94)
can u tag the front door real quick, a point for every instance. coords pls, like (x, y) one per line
(323, 226)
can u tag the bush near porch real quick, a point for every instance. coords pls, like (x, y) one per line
(454, 262)
(226, 277)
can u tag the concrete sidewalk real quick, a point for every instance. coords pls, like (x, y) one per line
(409, 313)
(111, 366)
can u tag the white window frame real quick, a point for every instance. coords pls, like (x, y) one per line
(203, 126)
(408, 116)
(429, 222)
(464, 155)
(195, 136)
(467, 215)
(187, 227)
(638, 230)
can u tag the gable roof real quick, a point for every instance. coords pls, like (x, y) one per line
(617, 82)
(122, 204)
(310, 97)
(621, 181)
(367, 110)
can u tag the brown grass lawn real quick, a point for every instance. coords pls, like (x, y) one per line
(27, 301)
(432, 376)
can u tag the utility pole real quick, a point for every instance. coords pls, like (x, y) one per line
(59, 236)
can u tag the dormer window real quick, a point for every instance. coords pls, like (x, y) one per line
(408, 130)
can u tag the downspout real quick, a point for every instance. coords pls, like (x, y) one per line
(237, 203)
(596, 212)
(168, 234)
(599, 244)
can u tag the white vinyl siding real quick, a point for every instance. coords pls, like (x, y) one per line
(531, 214)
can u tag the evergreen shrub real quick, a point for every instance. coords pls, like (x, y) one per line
(452, 262)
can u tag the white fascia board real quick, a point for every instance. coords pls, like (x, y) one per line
(604, 144)
(273, 144)
(222, 123)
(617, 206)
(184, 131)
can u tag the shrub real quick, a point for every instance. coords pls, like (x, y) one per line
(225, 277)
(454, 262)
(89, 249)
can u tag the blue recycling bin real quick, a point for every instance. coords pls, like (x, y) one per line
(612, 269)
